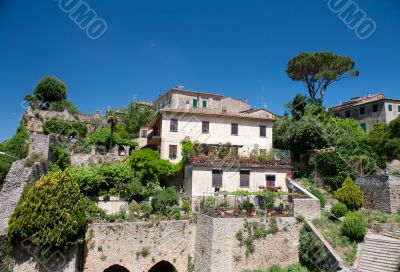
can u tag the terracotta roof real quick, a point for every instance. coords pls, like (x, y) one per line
(357, 101)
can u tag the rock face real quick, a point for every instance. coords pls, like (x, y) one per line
(380, 192)
(18, 176)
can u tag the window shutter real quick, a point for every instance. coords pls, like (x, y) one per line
(263, 131)
(204, 103)
(270, 180)
(173, 150)
(194, 103)
(244, 178)
(205, 126)
(234, 129)
(390, 107)
(217, 178)
(173, 126)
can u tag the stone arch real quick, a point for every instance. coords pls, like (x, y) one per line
(116, 268)
(163, 266)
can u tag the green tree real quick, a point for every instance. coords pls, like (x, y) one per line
(53, 211)
(350, 194)
(318, 70)
(50, 89)
(298, 106)
(136, 115)
(354, 226)
(112, 119)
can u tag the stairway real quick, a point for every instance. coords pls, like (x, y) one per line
(380, 254)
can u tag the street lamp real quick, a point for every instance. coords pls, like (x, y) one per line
(4, 154)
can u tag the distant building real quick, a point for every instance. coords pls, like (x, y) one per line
(369, 110)
(215, 122)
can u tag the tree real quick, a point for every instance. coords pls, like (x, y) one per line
(52, 212)
(350, 194)
(318, 70)
(136, 115)
(112, 119)
(298, 106)
(50, 89)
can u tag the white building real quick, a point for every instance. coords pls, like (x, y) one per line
(215, 122)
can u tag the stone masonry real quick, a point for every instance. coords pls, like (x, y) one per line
(380, 192)
(16, 179)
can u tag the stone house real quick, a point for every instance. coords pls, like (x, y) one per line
(215, 122)
(369, 110)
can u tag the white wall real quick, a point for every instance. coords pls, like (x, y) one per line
(391, 115)
(199, 179)
(219, 132)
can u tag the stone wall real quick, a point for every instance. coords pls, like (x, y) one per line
(35, 118)
(138, 246)
(380, 192)
(304, 203)
(18, 176)
(40, 144)
(217, 248)
(83, 160)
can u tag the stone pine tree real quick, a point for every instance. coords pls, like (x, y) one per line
(318, 70)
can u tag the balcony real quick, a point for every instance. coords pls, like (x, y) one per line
(154, 138)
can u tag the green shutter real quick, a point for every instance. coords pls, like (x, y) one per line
(390, 107)
(398, 108)
(364, 126)
(195, 103)
(204, 103)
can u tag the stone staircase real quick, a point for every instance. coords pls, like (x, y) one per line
(380, 254)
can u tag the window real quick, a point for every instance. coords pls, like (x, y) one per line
(263, 131)
(173, 125)
(390, 107)
(234, 129)
(217, 178)
(362, 110)
(244, 178)
(347, 114)
(270, 181)
(173, 150)
(375, 108)
(195, 102)
(398, 108)
(143, 133)
(364, 126)
(205, 126)
(204, 103)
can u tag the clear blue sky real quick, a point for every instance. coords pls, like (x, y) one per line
(238, 48)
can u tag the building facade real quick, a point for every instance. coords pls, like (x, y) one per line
(216, 125)
(369, 110)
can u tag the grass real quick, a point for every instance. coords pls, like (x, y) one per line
(373, 217)
(330, 229)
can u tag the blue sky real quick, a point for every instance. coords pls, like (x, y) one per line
(238, 48)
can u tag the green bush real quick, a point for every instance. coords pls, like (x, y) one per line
(102, 136)
(89, 180)
(67, 128)
(60, 156)
(165, 199)
(339, 209)
(146, 209)
(64, 105)
(247, 205)
(209, 203)
(354, 226)
(350, 194)
(317, 193)
(53, 211)
(174, 212)
(312, 252)
(50, 89)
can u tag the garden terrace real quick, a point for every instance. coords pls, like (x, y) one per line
(267, 203)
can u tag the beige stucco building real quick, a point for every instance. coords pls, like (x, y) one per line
(213, 121)
(369, 110)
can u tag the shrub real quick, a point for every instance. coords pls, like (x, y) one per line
(174, 212)
(312, 252)
(164, 199)
(209, 203)
(64, 105)
(354, 226)
(53, 212)
(339, 209)
(247, 205)
(350, 194)
(317, 193)
(88, 179)
(134, 209)
(67, 128)
(146, 209)
(50, 89)
(60, 156)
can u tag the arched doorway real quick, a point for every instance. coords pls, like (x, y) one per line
(116, 268)
(163, 266)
